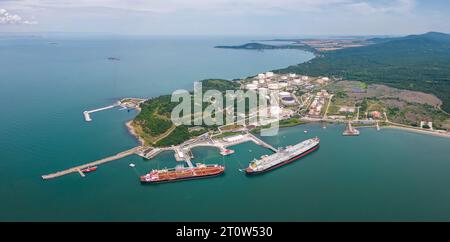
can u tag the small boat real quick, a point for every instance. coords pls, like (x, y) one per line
(227, 152)
(89, 169)
(306, 131)
(132, 165)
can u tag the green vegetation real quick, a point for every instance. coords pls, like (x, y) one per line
(290, 122)
(418, 62)
(226, 134)
(154, 125)
(219, 85)
(178, 136)
(154, 118)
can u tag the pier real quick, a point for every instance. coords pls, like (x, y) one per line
(182, 152)
(87, 114)
(78, 169)
(259, 141)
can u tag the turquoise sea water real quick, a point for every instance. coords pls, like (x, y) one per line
(386, 175)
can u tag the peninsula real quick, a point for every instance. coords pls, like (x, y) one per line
(397, 82)
(259, 46)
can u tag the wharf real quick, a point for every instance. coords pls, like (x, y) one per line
(77, 169)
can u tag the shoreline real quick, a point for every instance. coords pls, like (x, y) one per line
(133, 133)
(426, 132)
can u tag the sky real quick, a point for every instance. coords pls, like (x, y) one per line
(227, 17)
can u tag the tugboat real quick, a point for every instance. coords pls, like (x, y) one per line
(89, 169)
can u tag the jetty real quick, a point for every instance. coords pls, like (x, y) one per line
(261, 142)
(78, 169)
(183, 152)
(87, 114)
(350, 131)
(125, 103)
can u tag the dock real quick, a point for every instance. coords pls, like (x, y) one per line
(182, 152)
(78, 169)
(125, 103)
(264, 144)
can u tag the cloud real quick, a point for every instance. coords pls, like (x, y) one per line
(215, 6)
(7, 18)
(394, 7)
(228, 16)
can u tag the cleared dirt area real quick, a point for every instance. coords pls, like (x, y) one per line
(401, 106)
(356, 91)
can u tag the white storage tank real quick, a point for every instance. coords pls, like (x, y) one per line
(263, 90)
(252, 86)
(269, 74)
(273, 86)
(284, 94)
(288, 100)
(282, 84)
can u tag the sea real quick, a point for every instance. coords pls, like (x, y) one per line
(47, 81)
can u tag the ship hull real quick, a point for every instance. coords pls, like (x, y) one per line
(250, 172)
(183, 178)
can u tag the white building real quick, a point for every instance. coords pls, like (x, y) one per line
(233, 138)
(252, 86)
